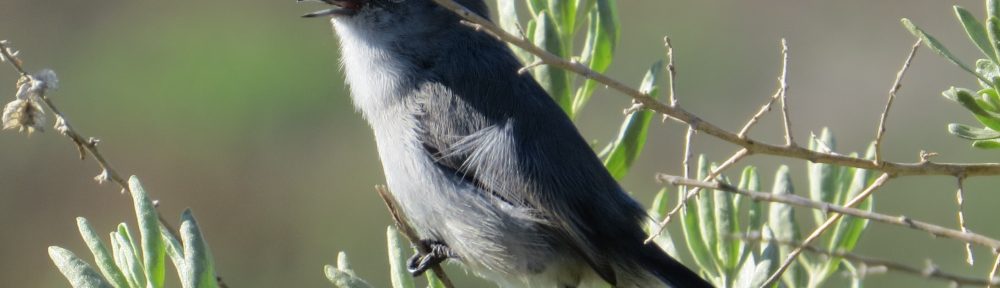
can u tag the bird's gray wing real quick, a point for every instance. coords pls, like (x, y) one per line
(500, 131)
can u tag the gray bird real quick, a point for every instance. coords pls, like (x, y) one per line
(485, 165)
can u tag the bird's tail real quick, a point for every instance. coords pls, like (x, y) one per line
(668, 270)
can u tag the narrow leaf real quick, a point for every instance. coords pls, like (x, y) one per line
(751, 181)
(397, 261)
(976, 32)
(603, 32)
(199, 271)
(782, 221)
(964, 97)
(343, 279)
(986, 144)
(77, 271)
(102, 257)
(972, 133)
(692, 230)
(822, 177)
(149, 231)
(706, 216)
(656, 213)
(993, 28)
(128, 260)
(937, 47)
(554, 80)
(632, 136)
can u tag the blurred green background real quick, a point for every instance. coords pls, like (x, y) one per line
(238, 110)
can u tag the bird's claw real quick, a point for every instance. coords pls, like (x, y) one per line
(419, 263)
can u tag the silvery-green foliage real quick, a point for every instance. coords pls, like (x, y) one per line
(138, 262)
(715, 224)
(984, 103)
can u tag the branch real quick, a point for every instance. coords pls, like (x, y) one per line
(936, 230)
(753, 146)
(777, 94)
(931, 272)
(783, 92)
(896, 84)
(404, 227)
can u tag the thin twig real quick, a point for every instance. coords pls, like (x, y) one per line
(896, 85)
(739, 155)
(960, 198)
(936, 230)
(993, 272)
(671, 71)
(404, 226)
(754, 146)
(874, 262)
(822, 228)
(783, 92)
(767, 106)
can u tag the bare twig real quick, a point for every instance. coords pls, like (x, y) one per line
(404, 226)
(960, 198)
(936, 230)
(875, 262)
(896, 85)
(783, 92)
(993, 272)
(671, 70)
(752, 145)
(767, 106)
(822, 228)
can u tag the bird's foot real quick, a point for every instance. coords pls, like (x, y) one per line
(419, 263)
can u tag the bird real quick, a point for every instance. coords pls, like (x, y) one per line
(487, 168)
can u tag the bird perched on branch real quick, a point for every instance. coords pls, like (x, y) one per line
(484, 164)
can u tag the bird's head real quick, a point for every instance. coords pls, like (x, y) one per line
(392, 16)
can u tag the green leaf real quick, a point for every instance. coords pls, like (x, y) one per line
(976, 32)
(433, 281)
(199, 271)
(992, 8)
(848, 229)
(508, 20)
(964, 97)
(127, 259)
(632, 136)
(781, 220)
(564, 15)
(972, 133)
(727, 225)
(937, 47)
(103, 259)
(692, 230)
(986, 144)
(536, 6)
(554, 80)
(342, 276)
(599, 47)
(657, 211)
(706, 216)
(149, 232)
(991, 98)
(988, 69)
(397, 261)
(993, 27)
(174, 248)
(77, 271)
(822, 177)
(749, 180)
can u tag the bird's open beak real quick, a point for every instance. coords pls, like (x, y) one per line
(341, 8)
